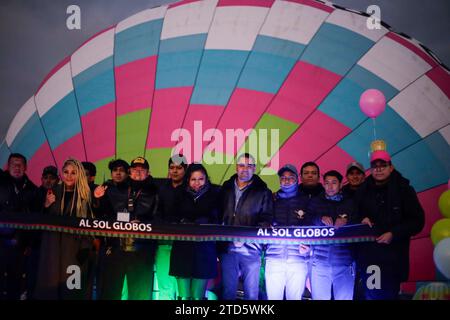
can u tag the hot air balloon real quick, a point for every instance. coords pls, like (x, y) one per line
(296, 66)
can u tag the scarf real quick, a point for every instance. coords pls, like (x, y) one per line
(197, 194)
(288, 191)
(337, 197)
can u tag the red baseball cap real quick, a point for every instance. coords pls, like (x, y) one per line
(380, 155)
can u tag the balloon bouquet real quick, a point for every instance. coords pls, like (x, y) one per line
(440, 236)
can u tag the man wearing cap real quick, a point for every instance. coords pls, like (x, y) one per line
(168, 189)
(246, 201)
(286, 265)
(387, 202)
(355, 175)
(134, 200)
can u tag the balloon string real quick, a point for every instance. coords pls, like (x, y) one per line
(374, 130)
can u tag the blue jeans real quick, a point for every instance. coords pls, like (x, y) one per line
(324, 277)
(235, 264)
(285, 274)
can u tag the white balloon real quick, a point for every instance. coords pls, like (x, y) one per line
(441, 256)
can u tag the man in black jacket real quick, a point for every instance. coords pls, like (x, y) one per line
(17, 194)
(168, 189)
(332, 264)
(133, 200)
(246, 201)
(386, 201)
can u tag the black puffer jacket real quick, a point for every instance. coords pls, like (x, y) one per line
(286, 214)
(285, 211)
(394, 208)
(336, 254)
(255, 208)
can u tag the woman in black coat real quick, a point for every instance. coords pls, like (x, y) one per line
(194, 263)
(60, 252)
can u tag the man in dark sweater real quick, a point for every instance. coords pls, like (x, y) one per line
(386, 201)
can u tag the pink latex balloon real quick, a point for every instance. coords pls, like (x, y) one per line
(372, 103)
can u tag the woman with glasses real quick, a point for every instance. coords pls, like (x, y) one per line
(286, 265)
(194, 263)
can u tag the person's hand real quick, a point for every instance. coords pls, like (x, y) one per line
(340, 222)
(328, 221)
(49, 199)
(367, 221)
(100, 191)
(385, 238)
(304, 249)
(238, 244)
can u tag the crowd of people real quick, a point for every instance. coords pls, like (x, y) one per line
(34, 263)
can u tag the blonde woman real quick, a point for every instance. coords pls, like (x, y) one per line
(63, 253)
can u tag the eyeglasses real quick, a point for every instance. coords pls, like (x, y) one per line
(379, 167)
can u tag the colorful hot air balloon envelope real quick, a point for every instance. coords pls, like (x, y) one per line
(441, 256)
(444, 204)
(372, 103)
(298, 67)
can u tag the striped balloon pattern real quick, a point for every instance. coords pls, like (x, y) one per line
(298, 66)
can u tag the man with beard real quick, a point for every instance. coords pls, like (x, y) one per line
(246, 201)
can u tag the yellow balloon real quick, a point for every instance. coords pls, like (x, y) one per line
(444, 204)
(440, 230)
